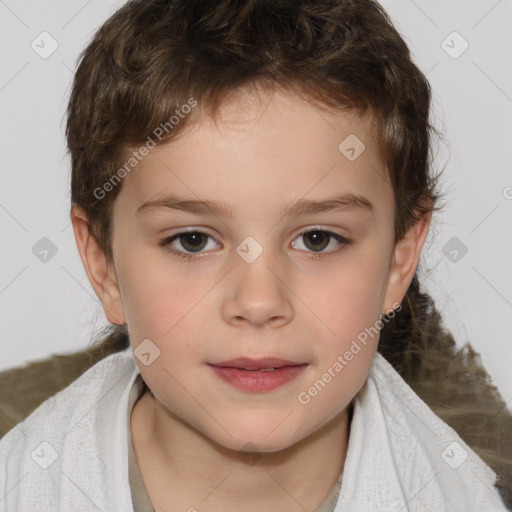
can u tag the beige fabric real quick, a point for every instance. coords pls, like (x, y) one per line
(140, 498)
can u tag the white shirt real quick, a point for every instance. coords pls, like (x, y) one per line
(71, 453)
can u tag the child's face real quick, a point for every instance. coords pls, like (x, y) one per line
(284, 304)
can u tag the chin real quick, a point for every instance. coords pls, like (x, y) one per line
(267, 437)
(248, 446)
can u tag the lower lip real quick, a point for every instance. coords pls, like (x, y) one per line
(258, 381)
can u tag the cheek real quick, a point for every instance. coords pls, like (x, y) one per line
(156, 296)
(348, 337)
(168, 309)
(335, 384)
(348, 299)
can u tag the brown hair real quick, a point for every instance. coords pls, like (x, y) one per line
(152, 56)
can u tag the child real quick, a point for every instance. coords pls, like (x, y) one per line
(250, 372)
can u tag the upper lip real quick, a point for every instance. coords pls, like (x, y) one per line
(247, 363)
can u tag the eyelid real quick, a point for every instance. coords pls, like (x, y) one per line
(341, 240)
(167, 242)
(206, 231)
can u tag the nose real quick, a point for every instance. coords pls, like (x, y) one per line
(258, 295)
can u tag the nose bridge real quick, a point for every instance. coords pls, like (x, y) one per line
(257, 291)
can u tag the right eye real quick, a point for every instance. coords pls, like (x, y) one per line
(192, 241)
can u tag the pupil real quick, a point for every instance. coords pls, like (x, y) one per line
(193, 238)
(316, 236)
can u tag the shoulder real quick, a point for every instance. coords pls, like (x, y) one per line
(23, 388)
(57, 409)
(63, 431)
(423, 446)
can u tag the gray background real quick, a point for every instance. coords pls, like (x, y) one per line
(49, 307)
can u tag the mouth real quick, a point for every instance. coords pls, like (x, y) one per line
(258, 375)
(262, 364)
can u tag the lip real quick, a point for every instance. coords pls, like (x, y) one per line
(247, 363)
(238, 373)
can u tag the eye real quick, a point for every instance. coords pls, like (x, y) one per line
(319, 239)
(192, 240)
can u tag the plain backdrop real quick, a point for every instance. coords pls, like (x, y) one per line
(464, 47)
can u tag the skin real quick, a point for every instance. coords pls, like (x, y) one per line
(263, 154)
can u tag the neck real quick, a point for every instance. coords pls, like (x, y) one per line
(180, 465)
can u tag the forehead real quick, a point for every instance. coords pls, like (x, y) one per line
(264, 151)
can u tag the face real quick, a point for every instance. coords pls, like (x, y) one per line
(254, 281)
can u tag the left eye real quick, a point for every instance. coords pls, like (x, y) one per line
(317, 240)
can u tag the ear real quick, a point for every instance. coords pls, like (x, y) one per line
(405, 258)
(101, 274)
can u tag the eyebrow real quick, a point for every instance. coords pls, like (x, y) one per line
(302, 207)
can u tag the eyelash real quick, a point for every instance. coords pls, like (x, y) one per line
(166, 243)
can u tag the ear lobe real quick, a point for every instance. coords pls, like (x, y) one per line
(100, 273)
(406, 255)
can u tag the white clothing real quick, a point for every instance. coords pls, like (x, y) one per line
(71, 453)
